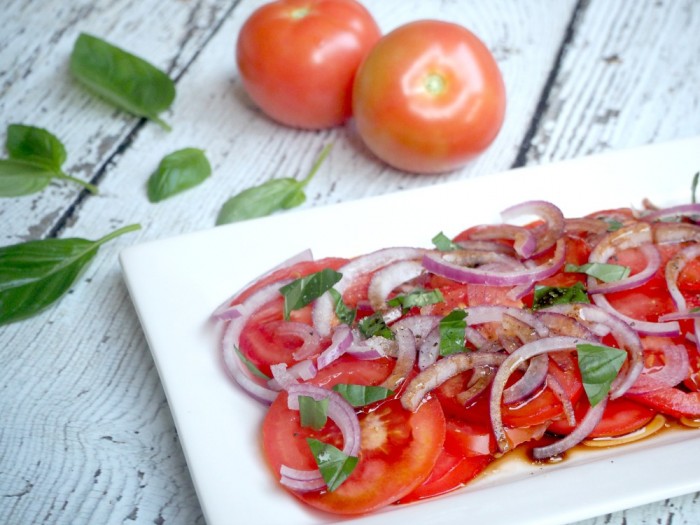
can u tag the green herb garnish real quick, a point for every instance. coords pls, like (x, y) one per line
(35, 274)
(452, 328)
(360, 395)
(177, 172)
(335, 466)
(599, 366)
(374, 325)
(417, 298)
(603, 271)
(694, 187)
(303, 291)
(36, 157)
(123, 79)
(545, 296)
(269, 197)
(443, 243)
(251, 366)
(344, 314)
(313, 413)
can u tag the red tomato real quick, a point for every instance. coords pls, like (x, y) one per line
(399, 450)
(428, 97)
(621, 416)
(297, 59)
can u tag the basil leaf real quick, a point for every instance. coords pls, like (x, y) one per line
(35, 145)
(374, 325)
(251, 366)
(443, 243)
(545, 296)
(418, 298)
(123, 79)
(694, 187)
(452, 328)
(35, 274)
(269, 197)
(177, 172)
(343, 313)
(603, 271)
(335, 466)
(361, 395)
(599, 366)
(36, 157)
(314, 414)
(303, 291)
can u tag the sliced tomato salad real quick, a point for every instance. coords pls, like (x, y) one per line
(405, 373)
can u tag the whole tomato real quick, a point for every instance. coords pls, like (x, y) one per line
(298, 58)
(428, 97)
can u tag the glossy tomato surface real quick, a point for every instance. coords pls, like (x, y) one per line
(429, 97)
(297, 59)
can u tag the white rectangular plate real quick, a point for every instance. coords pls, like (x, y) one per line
(176, 283)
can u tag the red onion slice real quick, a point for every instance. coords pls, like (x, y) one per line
(653, 257)
(511, 363)
(675, 369)
(443, 369)
(340, 342)
(405, 359)
(673, 212)
(673, 270)
(581, 432)
(437, 264)
(389, 278)
(667, 329)
(323, 311)
(547, 211)
(524, 242)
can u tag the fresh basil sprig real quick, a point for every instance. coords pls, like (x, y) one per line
(35, 157)
(599, 366)
(125, 80)
(303, 291)
(603, 271)
(35, 274)
(545, 296)
(452, 332)
(335, 466)
(177, 172)
(269, 197)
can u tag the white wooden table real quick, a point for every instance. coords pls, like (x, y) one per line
(86, 435)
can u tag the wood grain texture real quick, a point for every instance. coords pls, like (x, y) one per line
(86, 435)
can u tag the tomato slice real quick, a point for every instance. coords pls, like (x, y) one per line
(398, 452)
(671, 401)
(621, 416)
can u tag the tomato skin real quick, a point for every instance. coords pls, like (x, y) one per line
(399, 455)
(621, 417)
(428, 97)
(297, 59)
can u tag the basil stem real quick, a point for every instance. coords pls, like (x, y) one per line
(177, 172)
(35, 157)
(125, 80)
(35, 274)
(269, 197)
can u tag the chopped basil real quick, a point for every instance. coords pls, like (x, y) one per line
(178, 171)
(550, 295)
(374, 325)
(251, 366)
(694, 187)
(599, 366)
(269, 197)
(303, 291)
(335, 466)
(603, 271)
(613, 224)
(314, 414)
(360, 395)
(443, 243)
(345, 315)
(418, 297)
(123, 79)
(452, 328)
